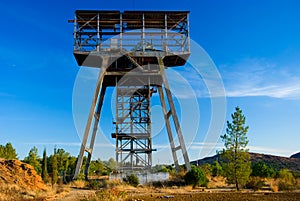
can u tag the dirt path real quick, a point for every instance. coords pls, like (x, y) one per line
(73, 195)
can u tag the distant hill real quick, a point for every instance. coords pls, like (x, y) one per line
(276, 162)
(297, 155)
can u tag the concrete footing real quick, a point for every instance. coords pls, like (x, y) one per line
(144, 178)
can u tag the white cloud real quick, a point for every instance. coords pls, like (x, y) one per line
(289, 91)
(205, 145)
(72, 144)
(272, 151)
(258, 77)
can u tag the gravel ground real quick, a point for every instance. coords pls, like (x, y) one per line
(222, 196)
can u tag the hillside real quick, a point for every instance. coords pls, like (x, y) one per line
(297, 155)
(277, 162)
(19, 180)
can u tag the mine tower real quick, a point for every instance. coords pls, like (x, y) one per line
(133, 49)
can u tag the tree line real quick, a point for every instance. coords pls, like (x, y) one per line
(59, 166)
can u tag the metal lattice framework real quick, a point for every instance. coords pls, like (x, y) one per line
(133, 128)
(103, 30)
(132, 49)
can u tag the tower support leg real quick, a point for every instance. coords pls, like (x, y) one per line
(168, 114)
(95, 128)
(89, 123)
(168, 125)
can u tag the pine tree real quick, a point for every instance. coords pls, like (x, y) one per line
(8, 152)
(54, 168)
(44, 167)
(235, 157)
(34, 159)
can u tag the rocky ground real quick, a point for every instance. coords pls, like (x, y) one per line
(19, 181)
(21, 174)
(224, 196)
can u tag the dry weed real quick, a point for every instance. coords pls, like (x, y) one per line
(298, 182)
(14, 192)
(217, 182)
(78, 184)
(113, 183)
(273, 185)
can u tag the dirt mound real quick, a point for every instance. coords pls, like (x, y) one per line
(17, 173)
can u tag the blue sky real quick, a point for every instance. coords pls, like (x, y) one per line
(255, 46)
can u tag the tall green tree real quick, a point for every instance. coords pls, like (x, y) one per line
(44, 167)
(62, 160)
(235, 158)
(54, 168)
(34, 159)
(8, 152)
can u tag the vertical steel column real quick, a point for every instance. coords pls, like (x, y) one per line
(172, 112)
(90, 119)
(98, 32)
(75, 33)
(121, 30)
(118, 167)
(131, 106)
(149, 128)
(188, 33)
(166, 33)
(143, 33)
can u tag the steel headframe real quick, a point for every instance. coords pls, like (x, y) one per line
(133, 60)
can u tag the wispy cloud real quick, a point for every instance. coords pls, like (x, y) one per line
(268, 150)
(259, 77)
(256, 149)
(193, 81)
(71, 144)
(206, 145)
(288, 91)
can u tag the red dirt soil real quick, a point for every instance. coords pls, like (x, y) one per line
(15, 172)
(224, 196)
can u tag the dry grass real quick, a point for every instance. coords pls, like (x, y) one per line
(298, 182)
(173, 190)
(217, 182)
(14, 192)
(273, 184)
(62, 189)
(113, 183)
(78, 184)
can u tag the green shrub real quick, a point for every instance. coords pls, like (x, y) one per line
(255, 183)
(216, 169)
(206, 168)
(286, 180)
(196, 177)
(96, 184)
(132, 180)
(263, 170)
